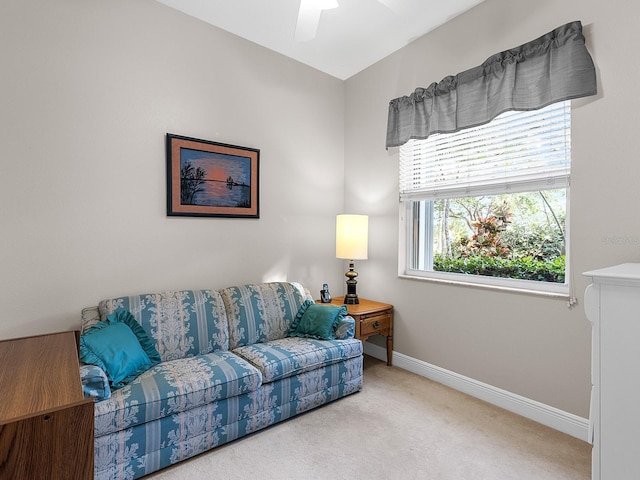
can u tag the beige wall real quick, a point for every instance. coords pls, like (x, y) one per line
(532, 346)
(88, 91)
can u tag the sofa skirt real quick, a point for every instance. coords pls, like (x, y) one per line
(148, 447)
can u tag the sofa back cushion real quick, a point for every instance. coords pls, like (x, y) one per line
(180, 323)
(261, 312)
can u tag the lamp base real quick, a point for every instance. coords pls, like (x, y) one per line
(351, 298)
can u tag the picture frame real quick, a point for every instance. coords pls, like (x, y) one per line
(211, 179)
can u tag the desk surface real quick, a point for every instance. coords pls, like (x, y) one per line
(364, 307)
(38, 375)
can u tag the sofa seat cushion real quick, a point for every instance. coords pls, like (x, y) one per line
(176, 386)
(293, 355)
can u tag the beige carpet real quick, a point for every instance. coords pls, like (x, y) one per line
(400, 426)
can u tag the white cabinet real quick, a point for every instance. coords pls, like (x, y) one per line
(612, 305)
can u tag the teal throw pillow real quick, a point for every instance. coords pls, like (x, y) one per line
(126, 317)
(120, 347)
(317, 321)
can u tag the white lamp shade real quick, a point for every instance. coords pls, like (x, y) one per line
(352, 237)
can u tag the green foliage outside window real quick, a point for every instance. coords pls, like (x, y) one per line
(524, 268)
(510, 236)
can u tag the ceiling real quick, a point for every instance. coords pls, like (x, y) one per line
(348, 39)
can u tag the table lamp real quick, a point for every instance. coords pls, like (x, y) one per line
(352, 234)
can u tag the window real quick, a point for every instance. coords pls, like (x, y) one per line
(488, 204)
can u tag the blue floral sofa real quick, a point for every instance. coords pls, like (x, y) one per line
(228, 366)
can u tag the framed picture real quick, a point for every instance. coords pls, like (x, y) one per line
(211, 179)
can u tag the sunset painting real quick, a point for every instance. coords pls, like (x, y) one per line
(214, 179)
(211, 179)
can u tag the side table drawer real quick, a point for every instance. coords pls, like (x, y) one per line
(375, 324)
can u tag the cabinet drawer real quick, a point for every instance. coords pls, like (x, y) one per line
(375, 324)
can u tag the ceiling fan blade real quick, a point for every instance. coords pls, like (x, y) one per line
(309, 18)
(324, 4)
(393, 5)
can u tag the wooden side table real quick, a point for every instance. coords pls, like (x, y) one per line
(46, 424)
(372, 318)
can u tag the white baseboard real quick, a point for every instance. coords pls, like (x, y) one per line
(560, 420)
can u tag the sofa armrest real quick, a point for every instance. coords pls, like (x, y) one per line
(95, 383)
(90, 316)
(346, 328)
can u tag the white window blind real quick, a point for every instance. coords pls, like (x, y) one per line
(516, 152)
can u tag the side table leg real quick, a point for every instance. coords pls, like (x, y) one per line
(389, 349)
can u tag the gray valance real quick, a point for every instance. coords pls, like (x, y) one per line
(552, 68)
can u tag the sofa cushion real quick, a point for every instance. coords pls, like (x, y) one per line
(292, 355)
(261, 312)
(181, 323)
(120, 347)
(176, 386)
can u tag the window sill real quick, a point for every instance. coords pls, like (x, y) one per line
(560, 292)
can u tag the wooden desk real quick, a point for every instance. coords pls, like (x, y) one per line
(46, 424)
(372, 318)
